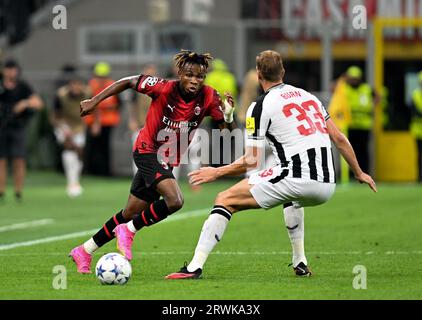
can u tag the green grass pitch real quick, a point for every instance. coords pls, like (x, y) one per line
(381, 232)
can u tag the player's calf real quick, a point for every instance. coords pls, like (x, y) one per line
(153, 214)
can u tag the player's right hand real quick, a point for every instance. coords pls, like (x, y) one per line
(366, 178)
(228, 108)
(87, 107)
(203, 175)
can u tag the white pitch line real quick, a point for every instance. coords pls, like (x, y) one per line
(46, 240)
(179, 216)
(25, 225)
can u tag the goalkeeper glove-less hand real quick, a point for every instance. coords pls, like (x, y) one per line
(228, 112)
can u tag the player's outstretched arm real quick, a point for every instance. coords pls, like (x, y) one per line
(346, 150)
(250, 160)
(89, 105)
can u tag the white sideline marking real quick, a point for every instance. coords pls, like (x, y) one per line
(46, 240)
(179, 216)
(24, 225)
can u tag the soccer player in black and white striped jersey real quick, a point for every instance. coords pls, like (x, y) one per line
(300, 131)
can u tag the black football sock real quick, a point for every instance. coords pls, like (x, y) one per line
(156, 212)
(105, 234)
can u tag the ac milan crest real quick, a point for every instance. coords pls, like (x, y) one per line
(164, 165)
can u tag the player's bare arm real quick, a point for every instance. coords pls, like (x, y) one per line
(88, 106)
(228, 110)
(250, 160)
(346, 150)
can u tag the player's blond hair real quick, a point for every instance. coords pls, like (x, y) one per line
(270, 64)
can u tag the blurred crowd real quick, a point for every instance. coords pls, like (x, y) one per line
(84, 144)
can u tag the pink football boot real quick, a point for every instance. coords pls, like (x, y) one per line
(124, 239)
(82, 259)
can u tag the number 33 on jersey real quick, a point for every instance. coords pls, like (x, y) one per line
(294, 122)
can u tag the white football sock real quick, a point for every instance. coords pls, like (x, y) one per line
(212, 232)
(72, 167)
(90, 246)
(295, 221)
(131, 227)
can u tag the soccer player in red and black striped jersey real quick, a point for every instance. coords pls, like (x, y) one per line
(177, 108)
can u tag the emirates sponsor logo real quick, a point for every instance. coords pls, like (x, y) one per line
(178, 126)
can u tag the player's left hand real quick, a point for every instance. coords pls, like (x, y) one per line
(203, 175)
(228, 108)
(87, 107)
(366, 178)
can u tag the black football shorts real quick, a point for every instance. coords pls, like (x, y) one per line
(151, 171)
(13, 143)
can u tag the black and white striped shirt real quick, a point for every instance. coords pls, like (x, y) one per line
(294, 123)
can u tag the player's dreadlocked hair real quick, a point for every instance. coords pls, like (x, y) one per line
(187, 56)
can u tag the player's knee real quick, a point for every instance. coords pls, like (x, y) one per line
(175, 203)
(223, 198)
(129, 213)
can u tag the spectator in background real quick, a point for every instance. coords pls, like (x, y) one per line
(251, 90)
(222, 80)
(66, 73)
(416, 123)
(362, 99)
(97, 154)
(339, 109)
(69, 129)
(17, 104)
(248, 94)
(139, 111)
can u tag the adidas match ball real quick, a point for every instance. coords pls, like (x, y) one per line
(113, 268)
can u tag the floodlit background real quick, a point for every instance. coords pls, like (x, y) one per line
(317, 39)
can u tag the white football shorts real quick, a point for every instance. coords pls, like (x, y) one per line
(301, 192)
(77, 138)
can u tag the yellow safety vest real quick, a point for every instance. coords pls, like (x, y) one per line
(361, 106)
(339, 107)
(416, 124)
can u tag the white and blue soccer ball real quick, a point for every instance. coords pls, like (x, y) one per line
(113, 268)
